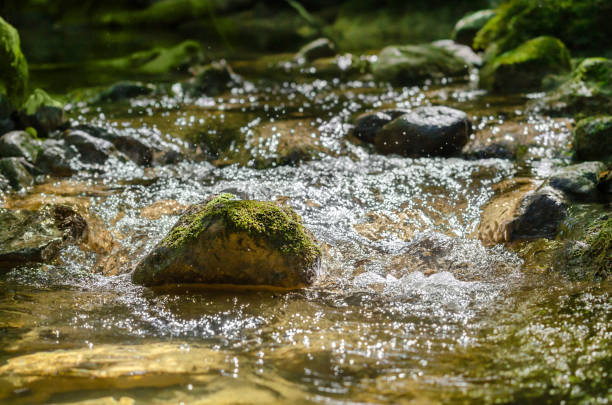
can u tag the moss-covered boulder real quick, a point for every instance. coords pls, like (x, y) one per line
(411, 64)
(593, 138)
(42, 112)
(524, 68)
(229, 241)
(28, 237)
(583, 25)
(466, 28)
(157, 60)
(13, 65)
(15, 171)
(588, 90)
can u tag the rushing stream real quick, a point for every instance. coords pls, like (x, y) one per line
(410, 307)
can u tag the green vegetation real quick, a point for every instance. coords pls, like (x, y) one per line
(13, 65)
(599, 253)
(39, 98)
(524, 68)
(583, 25)
(279, 225)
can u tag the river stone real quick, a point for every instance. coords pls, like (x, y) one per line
(37, 236)
(19, 144)
(368, 124)
(123, 90)
(57, 158)
(15, 171)
(42, 113)
(463, 52)
(425, 131)
(319, 48)
(93, 150)
(524, 213)
(411, 64)
(4, 183)
(229, 241)
(580, 181)
(211, 80)
(137, 150)
(593, 138)
(467, 27)
(524, 68)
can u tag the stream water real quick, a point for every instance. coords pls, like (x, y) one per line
(410, 307)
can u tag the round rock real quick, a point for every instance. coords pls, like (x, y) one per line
(426, 131)
(229, 241)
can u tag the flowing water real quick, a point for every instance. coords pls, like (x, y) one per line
(409, 306)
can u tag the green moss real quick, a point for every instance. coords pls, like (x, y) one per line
(39, 98)
(260, 219)
(13, 65)
(164, 12)
(581, 24)
(524, 68)
(599, 253)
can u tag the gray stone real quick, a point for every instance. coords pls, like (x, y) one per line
(56, 158)
(539, 215)
(16, 173)
(137, 150)
(580, 181)
(19, 144)
(425, 131)
(368, 124)
(92, 150)
(123, 90)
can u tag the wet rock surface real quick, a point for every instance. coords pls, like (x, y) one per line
(367, 125)
(593, 138)
(29, 237)
(319, 48)
(426, 131)
(91, 149)
(19, 144)
(42, 113)
(15, 170)
(581, 181)
(228, 241)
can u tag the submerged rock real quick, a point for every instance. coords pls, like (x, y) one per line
(467, 27)
(426, 131)
(92, 150)
(593, 138)
(13, 65)
(524, 68)
(15, 171)
(588, 90)
(579, 182)
(37, 236)
(42, 113)
(19, 144)
(411, 64)
(319, 48)
(228, 241)
(367, 125)
(524, 213)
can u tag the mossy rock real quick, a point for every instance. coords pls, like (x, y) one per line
(411, 64)
(20, 144)
(466, 28)
(42, 112)
(230, 241)
(157, 60)
(15, 171)
(582, 25)
(13, 65)
(593, 139)
(524, 68)
(588, 90)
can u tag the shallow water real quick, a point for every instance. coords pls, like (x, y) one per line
(408, 307)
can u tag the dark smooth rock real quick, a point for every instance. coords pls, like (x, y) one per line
(426, 131)
(123, 90)
(593, 138)
(229, 241)
(92, 150)
(538, 215)
(492, 151)
(319, 48)
(15, 171)
(211, 80)
(368, 124)
(137, 150)
(19, 144)
(57, 159)
(37, 236)
(581, 181)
